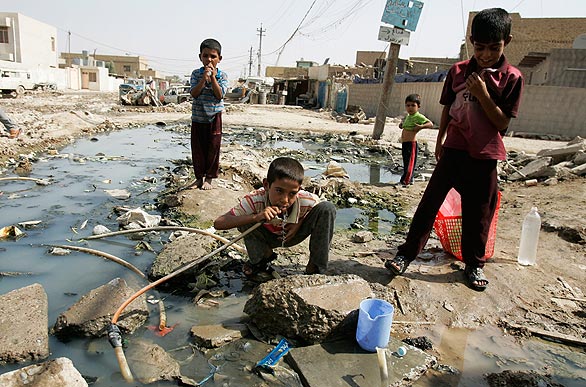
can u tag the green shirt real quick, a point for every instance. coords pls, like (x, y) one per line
(412, 120)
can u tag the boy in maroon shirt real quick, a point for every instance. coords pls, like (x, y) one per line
(480, 96)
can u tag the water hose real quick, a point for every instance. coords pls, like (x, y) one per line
(114, 335)
(168, 228)
(128, 265)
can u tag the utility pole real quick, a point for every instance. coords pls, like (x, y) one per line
(250, 63)
(260, 31)
(385, 95)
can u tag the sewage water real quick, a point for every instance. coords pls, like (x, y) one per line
(77, 195)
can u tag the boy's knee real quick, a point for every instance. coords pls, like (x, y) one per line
(326, 208)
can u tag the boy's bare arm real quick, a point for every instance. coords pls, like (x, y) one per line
(426, 125)
(441, 134)
(477, 87)
(196, 91)
(228, 221)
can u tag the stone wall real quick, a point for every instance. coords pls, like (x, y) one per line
(544, 109)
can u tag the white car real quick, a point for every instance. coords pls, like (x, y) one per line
(14, 82)
(176, 94)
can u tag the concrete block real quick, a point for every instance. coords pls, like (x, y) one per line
(214, 336)
(344, 363)
(24, 324)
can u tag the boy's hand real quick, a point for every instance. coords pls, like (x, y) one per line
(476, 86)
(209, 72)
(270, 213)
(438, 150)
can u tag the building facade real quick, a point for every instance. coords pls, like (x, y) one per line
(26, 42)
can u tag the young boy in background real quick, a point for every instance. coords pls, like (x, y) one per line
(290, 215)
(208, 86)
(480, 96)
(412, 123)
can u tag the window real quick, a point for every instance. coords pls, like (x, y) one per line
(93, 77)
(52, 44)
(127, 68)
(4, 35)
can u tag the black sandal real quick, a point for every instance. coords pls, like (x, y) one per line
(397, 265)
(261, 271)
(476, 278)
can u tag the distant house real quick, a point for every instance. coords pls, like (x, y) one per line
(559, 67)
(26, 42)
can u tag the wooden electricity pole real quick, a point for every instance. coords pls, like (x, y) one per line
(385, 95)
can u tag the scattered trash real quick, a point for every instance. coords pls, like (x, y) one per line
(120, 194)
(30, 223)
(271, 360)
(99, 230)
(11, 232)
(140, 217)
(59, 251)
(334, 169)
(401, 351)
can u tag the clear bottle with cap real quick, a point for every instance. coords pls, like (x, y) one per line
(529, 238)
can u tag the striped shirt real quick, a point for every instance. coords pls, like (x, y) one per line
(256, 201)
(206, 105)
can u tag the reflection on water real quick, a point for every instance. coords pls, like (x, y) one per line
(381, 222)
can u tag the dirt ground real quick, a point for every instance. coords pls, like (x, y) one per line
(548, 296)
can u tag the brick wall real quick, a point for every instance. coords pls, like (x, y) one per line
(544, 109)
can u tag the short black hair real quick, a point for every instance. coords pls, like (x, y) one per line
(414, 98)
(285, 168)
(212, 44)
(491, 25)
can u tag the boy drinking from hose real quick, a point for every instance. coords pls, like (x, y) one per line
(480, 96)
(290, 215)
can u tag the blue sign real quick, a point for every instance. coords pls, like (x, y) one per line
(402, 13)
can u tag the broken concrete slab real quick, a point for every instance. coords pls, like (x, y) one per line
(93, 312)
(580, 170)
(537, 168)
(362, 237)
(308, 308)
(24, 325)
(563, 153)
(214, 336)
(150, 363)
(53, 373)
(180, 252)
(344, 363)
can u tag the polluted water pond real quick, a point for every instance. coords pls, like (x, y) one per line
(88, 180)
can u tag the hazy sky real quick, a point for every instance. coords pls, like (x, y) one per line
(167, 33)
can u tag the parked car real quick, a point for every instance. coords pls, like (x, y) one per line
(14, 82)
(176, 94)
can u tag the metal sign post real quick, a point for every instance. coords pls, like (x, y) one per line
(403, 15)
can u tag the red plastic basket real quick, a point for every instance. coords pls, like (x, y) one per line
(448, 225)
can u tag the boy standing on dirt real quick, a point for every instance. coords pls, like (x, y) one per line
(208, 87)
(412, 124)
(290, 215)
(480, 96)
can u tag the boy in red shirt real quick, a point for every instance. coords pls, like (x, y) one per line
(480, 96)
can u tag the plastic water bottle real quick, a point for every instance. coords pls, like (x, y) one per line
(529, 238)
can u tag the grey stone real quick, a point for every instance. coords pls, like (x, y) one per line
(24, 325)
(362, 237)
(580, 158)
(150, 363)
(563, 153)
(309, 308)
(53, 373)
(214, 336)
(93, 312)
(580, 170)
(344, 363)
(537, 168)
(178, 253)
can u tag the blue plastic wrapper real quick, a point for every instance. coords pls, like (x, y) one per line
(269, 361)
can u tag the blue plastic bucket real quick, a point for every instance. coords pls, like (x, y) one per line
(375, 318)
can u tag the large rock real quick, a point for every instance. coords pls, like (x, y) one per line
(563, 153)
(343, 363)
(308, 308)
(93, 312)
(54, 373)
(181, 252)
(24, 333)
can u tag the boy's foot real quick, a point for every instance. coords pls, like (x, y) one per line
(476, 278)
(397, 265)
(207, 184)
(260, 272)
(311, 268)
(198, 183)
